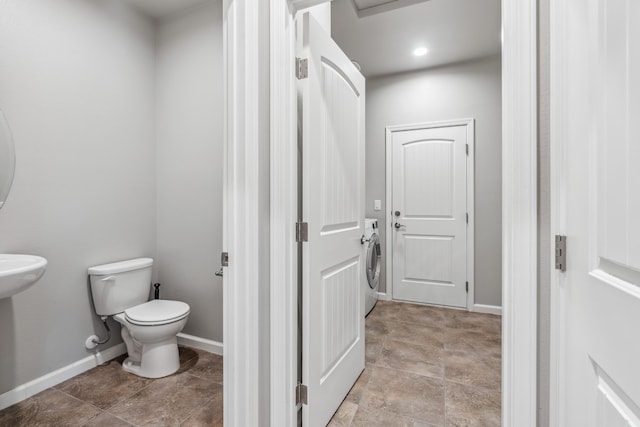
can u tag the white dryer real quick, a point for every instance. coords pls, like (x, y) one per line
(373, 257)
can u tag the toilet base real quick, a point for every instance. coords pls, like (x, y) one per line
(158, 360)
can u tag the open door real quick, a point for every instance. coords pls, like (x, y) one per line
(595, 107)
(332, 99)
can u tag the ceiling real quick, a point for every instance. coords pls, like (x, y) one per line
(161, 8)
(382, 42)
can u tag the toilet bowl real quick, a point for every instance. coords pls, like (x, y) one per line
(149, 331)
(149, 328)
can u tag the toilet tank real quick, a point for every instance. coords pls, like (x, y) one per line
(120, 285)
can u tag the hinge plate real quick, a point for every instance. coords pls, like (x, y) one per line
(467, 217)
(302, 68)
(302, 232)
(467, 149)
(224, 259)
(302, 397)
(561, 253)
(467, 286)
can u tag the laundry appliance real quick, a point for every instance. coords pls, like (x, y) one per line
(373, 257)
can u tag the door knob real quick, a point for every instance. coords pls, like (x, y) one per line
(398, 225)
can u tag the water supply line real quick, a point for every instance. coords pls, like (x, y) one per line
(93, 341)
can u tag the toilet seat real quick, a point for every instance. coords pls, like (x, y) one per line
(157, 312)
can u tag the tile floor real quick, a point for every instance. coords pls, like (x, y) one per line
(108, 396)
(425, 366)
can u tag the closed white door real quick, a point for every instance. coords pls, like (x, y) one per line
(429, 213)
(333, 96)
(596, 148)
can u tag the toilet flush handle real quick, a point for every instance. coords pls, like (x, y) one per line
(109, 279)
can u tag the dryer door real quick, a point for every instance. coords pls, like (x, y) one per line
(373, 261)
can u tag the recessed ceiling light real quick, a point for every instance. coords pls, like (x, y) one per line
(421, 51)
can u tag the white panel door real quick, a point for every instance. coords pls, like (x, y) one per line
(429, 214)
(333, 101)
(597, 111)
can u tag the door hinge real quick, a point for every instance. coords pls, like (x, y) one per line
(302, 68)
(302, 232)
(467, 149)
(467, 286)
(224, 259)
(467, 217)
(561, 253)
(301, 394)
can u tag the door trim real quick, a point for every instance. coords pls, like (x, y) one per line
(284, 214)
(558, 74)
(470, 124)
(519, 213)
(246, 215)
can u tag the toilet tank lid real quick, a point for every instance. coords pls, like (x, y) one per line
(120, 267)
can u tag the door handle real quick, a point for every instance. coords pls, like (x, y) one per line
(397, 225)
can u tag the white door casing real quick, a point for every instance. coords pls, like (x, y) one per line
(430, 185)
(333, 102)
(595, 101)
(519, 92)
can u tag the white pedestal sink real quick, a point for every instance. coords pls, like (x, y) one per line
(18, 272)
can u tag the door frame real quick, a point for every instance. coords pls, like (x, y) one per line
(558, 74)
(244, 35)
(470, 124)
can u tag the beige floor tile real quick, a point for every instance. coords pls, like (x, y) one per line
(377, 418)
(404, 394)
(344, 415)
(376, 327)
(423, 359)
(355, 393)
(416, 333)
(469, 406)
(104, 385)
(473, 368)
(470, 341)
(49, 408)
(207, 366)
(211, 414)
(106, 420)
(167, 401)
(476, 322)
(373, 348)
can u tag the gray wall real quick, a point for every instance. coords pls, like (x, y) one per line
(117, 122)
(465, 90)
(189, 164)
(77, 89)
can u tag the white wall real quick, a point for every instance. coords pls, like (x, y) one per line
(466, 90)
(189, 164)
(77, 89)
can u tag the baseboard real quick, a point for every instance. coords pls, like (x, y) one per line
(488, 309)
(58, 376)
(211, 346)
(383, 296)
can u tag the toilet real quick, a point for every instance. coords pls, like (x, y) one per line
(149, 328)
